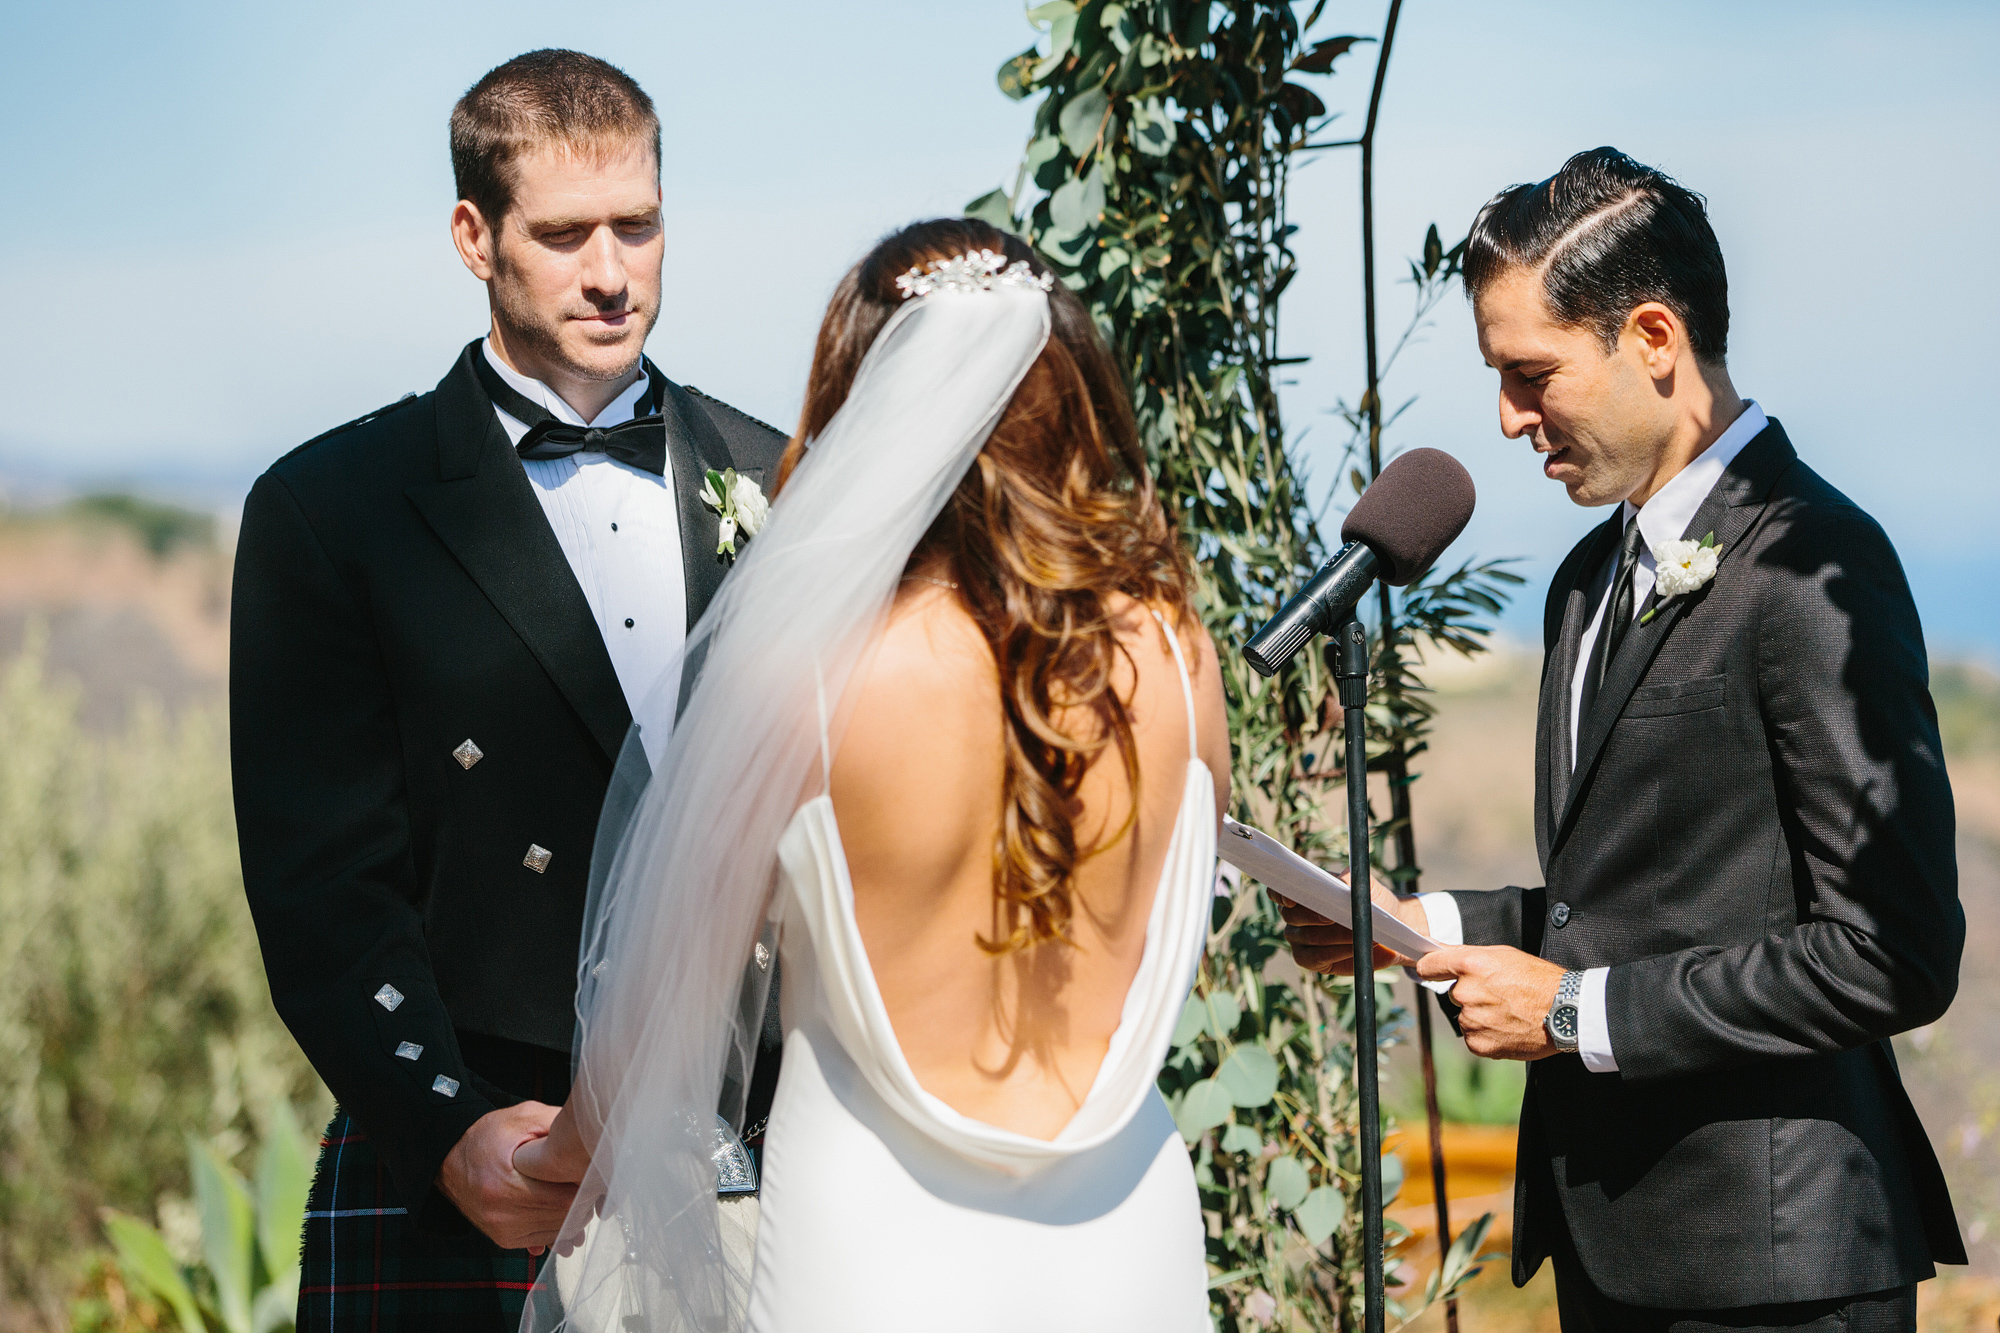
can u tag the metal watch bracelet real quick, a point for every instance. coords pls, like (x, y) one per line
(1562, 1020)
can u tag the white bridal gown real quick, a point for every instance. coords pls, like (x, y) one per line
(883, 1209)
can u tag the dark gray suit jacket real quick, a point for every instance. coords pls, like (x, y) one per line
(1757, 839)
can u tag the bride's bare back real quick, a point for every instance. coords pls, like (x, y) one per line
(1013, 1041)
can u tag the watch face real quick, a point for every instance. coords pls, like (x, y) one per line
(1562, 1024)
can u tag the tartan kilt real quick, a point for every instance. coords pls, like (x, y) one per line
(366, 1268)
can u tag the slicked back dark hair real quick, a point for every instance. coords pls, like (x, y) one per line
(543, 97)
(1608, 234)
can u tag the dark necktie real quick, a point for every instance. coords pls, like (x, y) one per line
(642, 441)
(1617, 619)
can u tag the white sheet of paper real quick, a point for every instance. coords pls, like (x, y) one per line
(1271, 863)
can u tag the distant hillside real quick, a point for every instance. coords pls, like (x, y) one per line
(129, 596)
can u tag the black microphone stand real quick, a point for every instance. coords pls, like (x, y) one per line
(1349, 651)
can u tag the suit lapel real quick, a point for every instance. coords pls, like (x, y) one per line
(1564, 639)
(1729, 511)
(693, 447)
(484, 510)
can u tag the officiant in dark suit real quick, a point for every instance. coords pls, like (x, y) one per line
(445, 614)
(1741, 810)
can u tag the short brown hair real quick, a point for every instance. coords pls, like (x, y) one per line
(548, 96)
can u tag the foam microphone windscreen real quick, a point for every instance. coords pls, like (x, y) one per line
(1410, 513)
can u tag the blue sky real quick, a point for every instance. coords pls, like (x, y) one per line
(227, 227)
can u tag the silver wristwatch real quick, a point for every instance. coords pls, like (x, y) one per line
(1562, 1021)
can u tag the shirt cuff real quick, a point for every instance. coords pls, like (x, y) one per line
(1593, 1024)
(1446, 927)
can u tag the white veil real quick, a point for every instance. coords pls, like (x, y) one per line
(668, 1022)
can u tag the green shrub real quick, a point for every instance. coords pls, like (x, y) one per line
(133, 1007)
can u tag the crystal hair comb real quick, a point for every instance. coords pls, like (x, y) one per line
(973, 271)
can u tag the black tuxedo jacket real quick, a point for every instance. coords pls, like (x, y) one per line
(1757, 839)
(398, 592)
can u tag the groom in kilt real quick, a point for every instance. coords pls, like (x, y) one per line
(445, 614)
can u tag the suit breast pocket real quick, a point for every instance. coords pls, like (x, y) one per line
(1682, 696)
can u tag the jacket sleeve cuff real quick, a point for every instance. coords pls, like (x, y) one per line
(1510, 916)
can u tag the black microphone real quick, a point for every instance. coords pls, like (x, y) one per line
(1396, 531)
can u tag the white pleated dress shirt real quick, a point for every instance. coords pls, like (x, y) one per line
(619, 528)
(1661, 519)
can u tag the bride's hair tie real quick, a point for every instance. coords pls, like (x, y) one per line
(973, 271)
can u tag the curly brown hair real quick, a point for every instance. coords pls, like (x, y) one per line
(1057, 518)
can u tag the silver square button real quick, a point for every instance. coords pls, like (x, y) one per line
(447, 1086)
(468, 754)
(537, 858)
(388, 997)
(409, 1050)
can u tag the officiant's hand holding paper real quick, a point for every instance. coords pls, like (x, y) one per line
(1317, 928)
(1327, 947)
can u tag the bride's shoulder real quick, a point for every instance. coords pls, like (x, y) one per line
(928, 688)
(922, 745)
(931, 654)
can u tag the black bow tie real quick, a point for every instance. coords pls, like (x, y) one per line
(642, 441)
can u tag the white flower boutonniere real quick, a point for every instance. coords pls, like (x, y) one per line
(1682, 568)
(739, 503)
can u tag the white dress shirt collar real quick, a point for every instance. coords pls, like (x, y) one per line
(1665, 517)
(617, 412)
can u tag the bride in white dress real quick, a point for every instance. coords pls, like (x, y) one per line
(956, 755)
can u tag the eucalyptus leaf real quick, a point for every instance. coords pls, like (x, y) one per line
(1301, 103)
(1016, 76)
(147, 1265)
(1320, 59)
(1082, 116)
(1078, 205)
(1287, 1182)
(1062, 34)
(1152, 128)
(1069, 247)
(1118, 23)
(1251, 1076)
(1044, 149)
(1321, 1214)
(1243, 1139)
(1392, 1178)
(1205, 1106)
(995, 207)
(1223, 1013)
(1194, 1021)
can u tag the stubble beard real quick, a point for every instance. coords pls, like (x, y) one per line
(535, 332)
